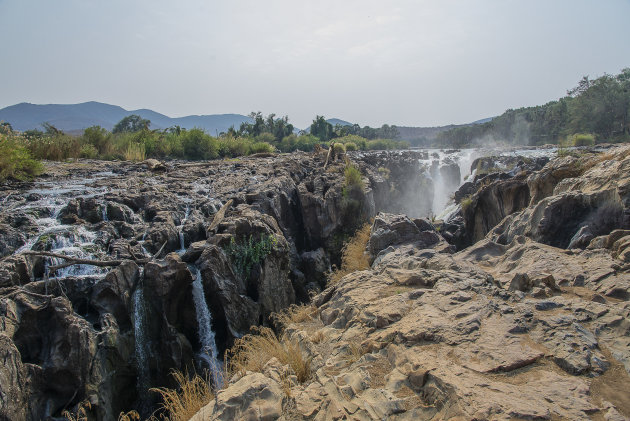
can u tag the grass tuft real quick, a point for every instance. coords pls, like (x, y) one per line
(192, 394)
(253, 351)
(353, 256)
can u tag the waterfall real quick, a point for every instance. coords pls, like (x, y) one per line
(180, 231)
(104, 212)
(209, 352)
(141, 346)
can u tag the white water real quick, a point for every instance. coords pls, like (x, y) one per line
(141, 346)
(209, 352)
(180, 231)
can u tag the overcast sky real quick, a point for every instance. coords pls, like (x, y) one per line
(419, 63)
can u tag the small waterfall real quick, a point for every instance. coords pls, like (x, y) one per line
(104, 212)
(209, 352)
(141, 346)
(180, 231)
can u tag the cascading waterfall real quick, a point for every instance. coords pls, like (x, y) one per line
(141, 346)
(180, 231)
(209, 352)
(104, 212)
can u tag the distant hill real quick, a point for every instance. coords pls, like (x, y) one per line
(76, 117)
(335, 121)
(422, 136)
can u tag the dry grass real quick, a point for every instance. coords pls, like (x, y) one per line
(192, 394)
(354, 257)
(317, 337)
(253, 351)
(354, 351)
(294, 314)
(81, 414)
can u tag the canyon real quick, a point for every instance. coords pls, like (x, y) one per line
(502, 294)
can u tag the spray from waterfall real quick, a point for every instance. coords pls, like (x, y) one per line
(141, 346)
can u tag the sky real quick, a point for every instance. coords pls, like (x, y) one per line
(403, 62)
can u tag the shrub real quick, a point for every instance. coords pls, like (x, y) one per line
(198, 145)
(351, 146)
(359, 141)
(247, 253)
(16, 160)
(352, 177)
(99, 138)
(261, 147)
(339, 149)
(465, 203)
(353, 256)
(192, 394)
(88, 151)
(582, 139)
(55, 147)
(253, 351)
(232, 147)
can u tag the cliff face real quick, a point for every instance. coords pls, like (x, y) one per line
(250, 237)
(530, 322)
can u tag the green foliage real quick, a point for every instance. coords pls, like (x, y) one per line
(582, 139)
(131, 124)
(247, 253)
(275, 128)
(600, 107)
(53, 145)
(292, 142)
(135, 152)
(383, 144)
(465, 203)
(350, 146)
(367, 132)
(231, 147)
(16, 160)
(352, 177)
(322, 129)
(261, 147)
(339, 149)
(98, 137)
(88, 151)
(197, 145)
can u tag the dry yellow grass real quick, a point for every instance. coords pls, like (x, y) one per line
(192, 394)
(81, 414)
(294, 314)
(253, 351)
(353, 257)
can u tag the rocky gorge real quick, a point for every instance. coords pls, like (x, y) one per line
(511, 304)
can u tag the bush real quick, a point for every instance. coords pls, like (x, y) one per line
(88, 151)
(232, 147)
(16, 160)
(261, 147)
(582, 139)
(359, 141)
(352, 177)
(197, 145)
(351, 146)
(247, 253)
(99, 138)
(339, 149)
(56, 147)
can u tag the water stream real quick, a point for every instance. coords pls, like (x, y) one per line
(208, 353)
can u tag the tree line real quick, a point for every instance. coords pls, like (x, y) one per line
(598, 107)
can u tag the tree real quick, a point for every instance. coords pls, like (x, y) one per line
(322, 129)
(131, 124)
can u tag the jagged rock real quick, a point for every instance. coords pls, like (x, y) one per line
(389, 230)
(253, 397)
(10, 240)
(112, 295)
(154, 165)
(315, 266)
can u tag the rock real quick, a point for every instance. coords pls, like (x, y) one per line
(10, 240)
(389, 230)
(154, 165)
(253, 397)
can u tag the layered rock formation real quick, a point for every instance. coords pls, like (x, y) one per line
(258, 234)
(517, 326)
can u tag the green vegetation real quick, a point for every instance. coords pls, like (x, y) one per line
(16, 160)
(247, 253)
(600, 107)
(582, 139)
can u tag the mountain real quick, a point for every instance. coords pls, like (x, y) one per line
(76, 117)
(335, 121)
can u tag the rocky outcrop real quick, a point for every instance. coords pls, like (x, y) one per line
(522, 330)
